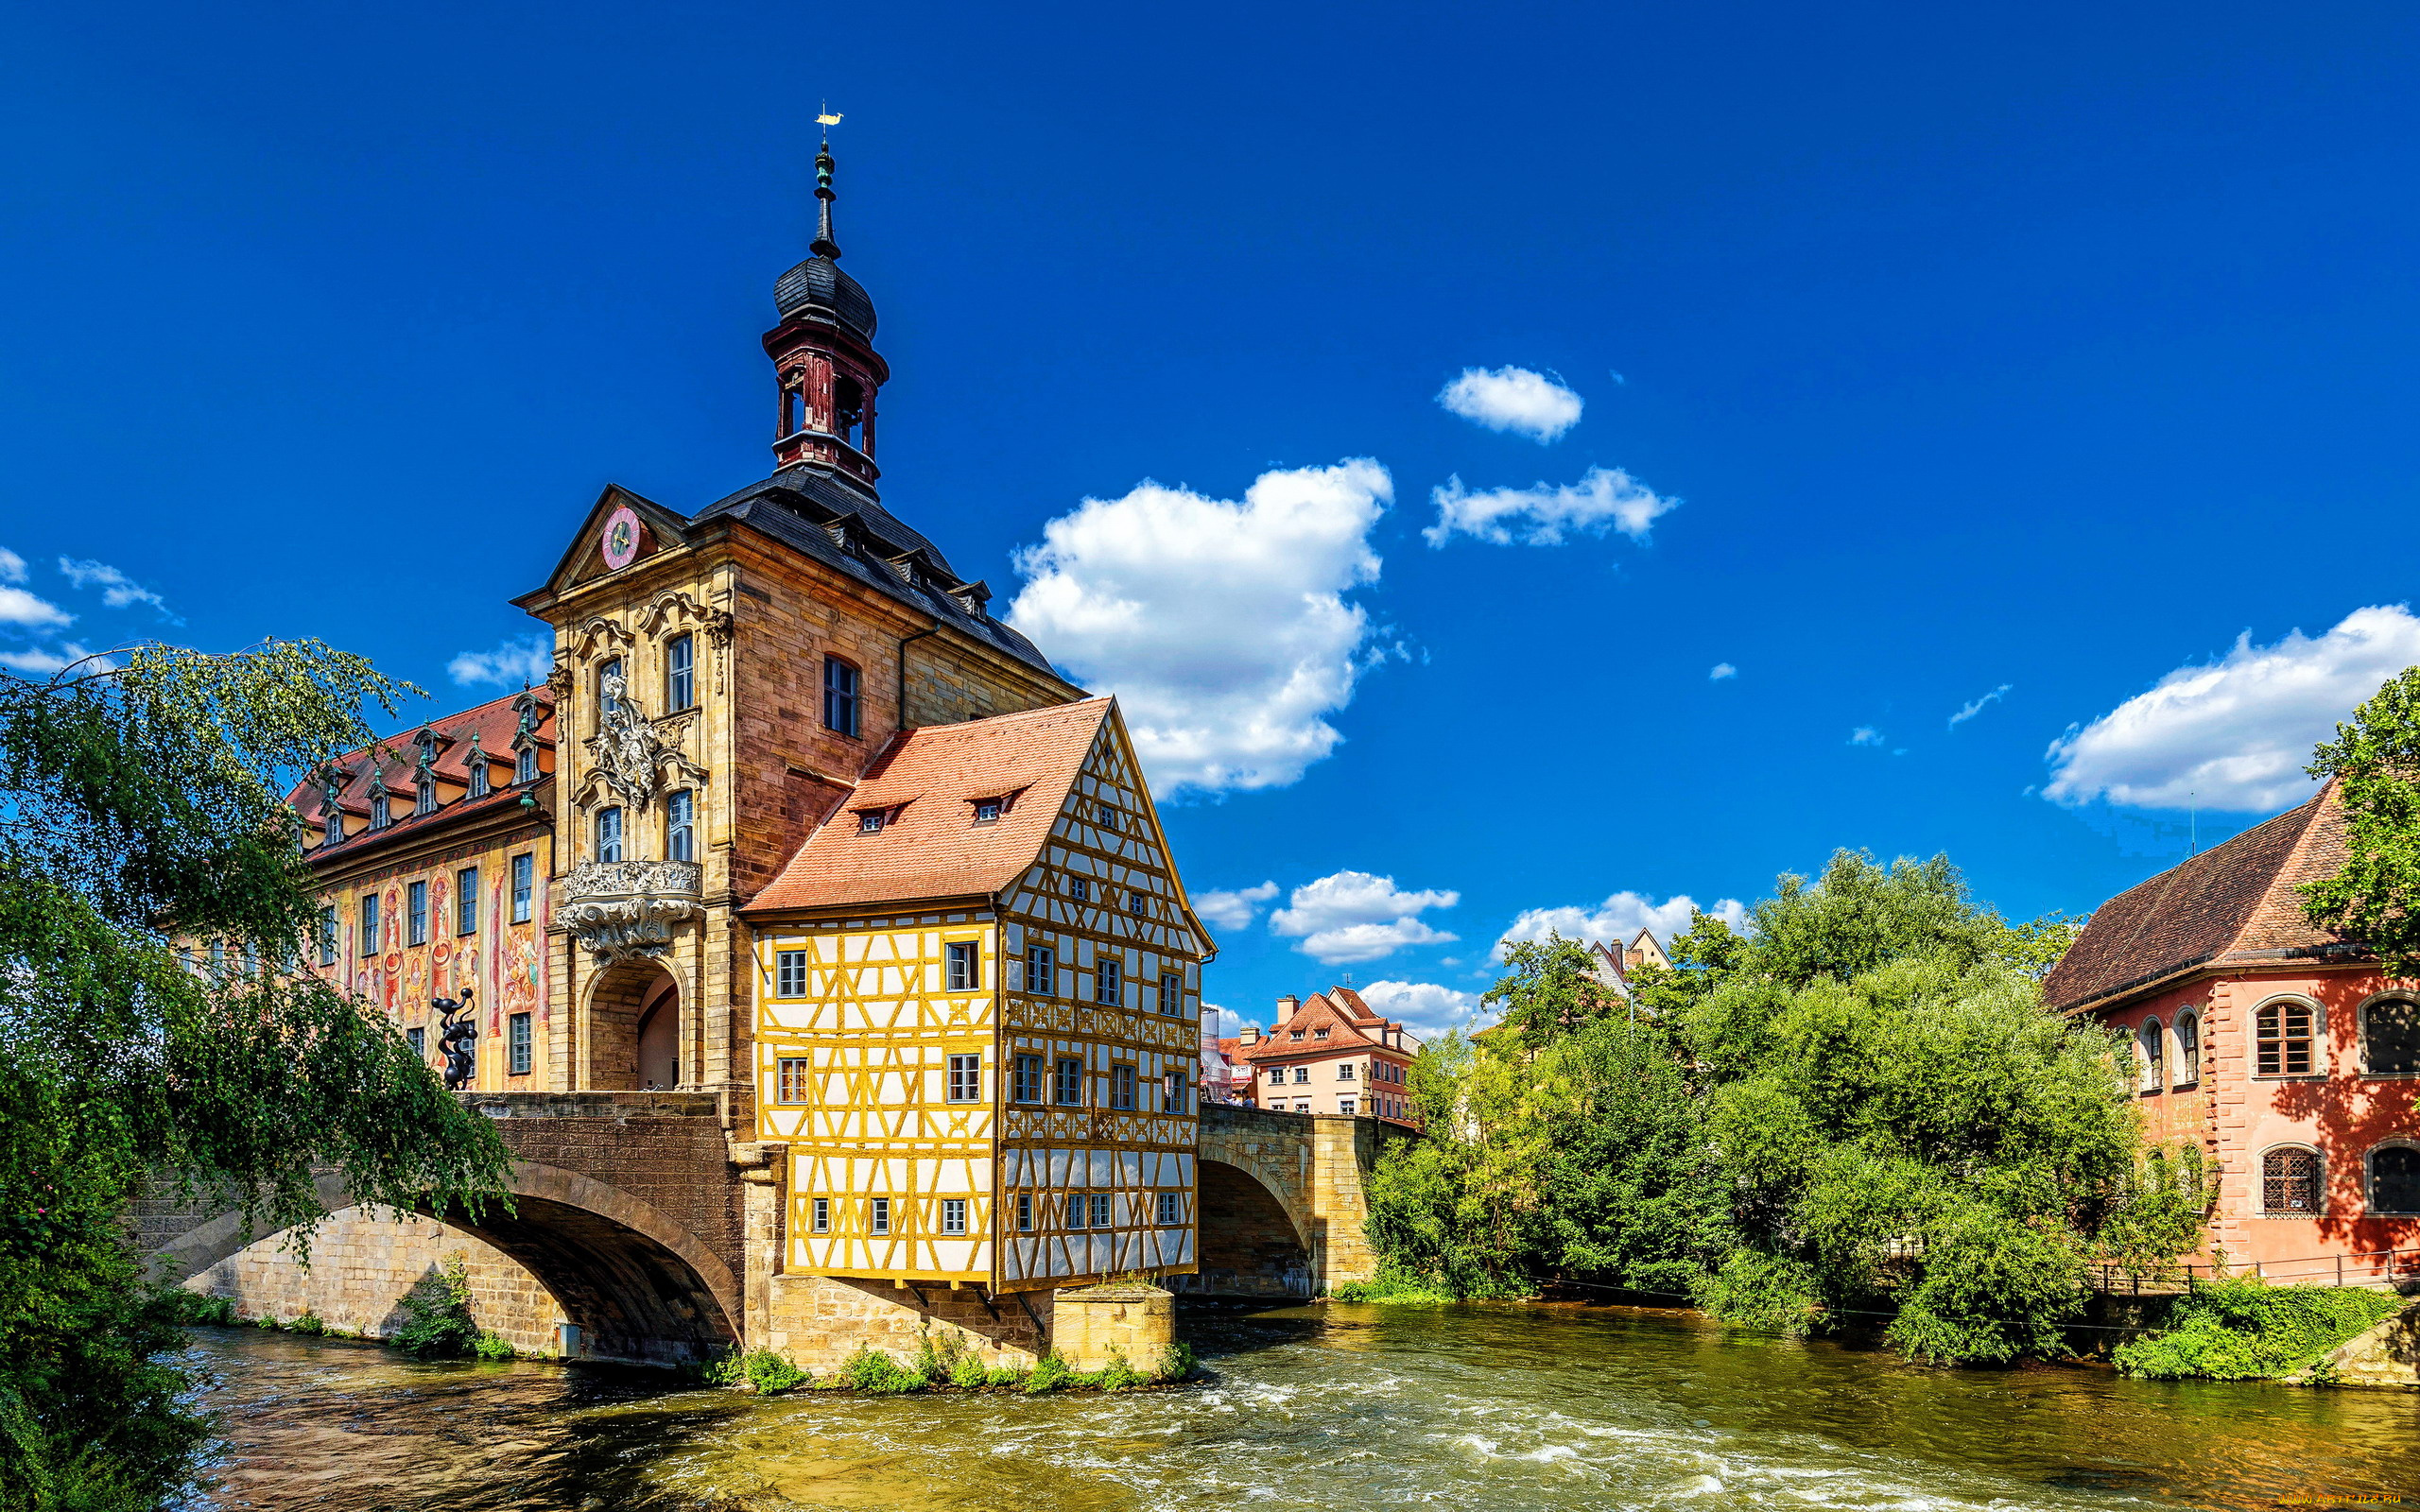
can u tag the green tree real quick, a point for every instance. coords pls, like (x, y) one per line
(141, 806)
(1549, 989)
(2374, 898)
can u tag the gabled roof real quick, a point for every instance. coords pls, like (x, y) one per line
(2233, 903)
(925, 782)
(1350, 1022)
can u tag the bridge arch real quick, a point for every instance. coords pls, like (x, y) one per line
(1254, 1243)
(642, 1289)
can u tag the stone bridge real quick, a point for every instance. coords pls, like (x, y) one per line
(642, 1217)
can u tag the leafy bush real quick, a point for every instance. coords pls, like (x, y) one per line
(440, 1326)
(969, 1373)
(1388, 1290)
(771, 1374)
(1004, 1375)
(871, 1369)
(1118, 1375)
(308, 1323)
(1177, 1362)
(1051, 1374)
(218, 1309)
(493, 1346)
(2247, 1329)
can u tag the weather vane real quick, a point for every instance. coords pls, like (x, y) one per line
(826, 115)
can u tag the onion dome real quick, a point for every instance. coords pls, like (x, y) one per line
(817, 284)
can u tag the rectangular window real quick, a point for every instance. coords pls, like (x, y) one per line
(964, 969)
(608, 834)
(1067, 1085)
(1344, 1106)
(823, 1215)
(2283, 1039)
(1027, 1087)
(965, 1078)
(987, 811)
(416, 913)
(424, 797)
(1302, 1074)
(869, 822)
(1025, 1212)
(466, 900)
(1100, 1210)
(418, 1039)
(1121, 1088)
(525, 880)
(1137, 902)
(1172, 1207)
(525, 767)
(1074, 1210)
(680, 826)
(839, 696)
(369, 924)
(789, 1080)
(789, 973)
(1344, 1070)
(516, 1044)
(679, 673)
(1105, 984)
(1080, 889)
(328, 935)
(1041, 970)
(953, 1216)
(882, 1215)
(1174, 1092)
(1171, 992)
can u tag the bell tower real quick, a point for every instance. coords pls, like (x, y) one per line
(823, 356)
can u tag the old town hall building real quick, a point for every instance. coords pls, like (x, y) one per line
(797, 821)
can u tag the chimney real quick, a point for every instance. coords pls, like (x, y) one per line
(1286, 1006)
(1251, 1034)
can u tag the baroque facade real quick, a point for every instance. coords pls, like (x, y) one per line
(805, 827)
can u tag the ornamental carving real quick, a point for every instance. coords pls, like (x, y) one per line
(672, 604)
(627, 910)
(628, 753)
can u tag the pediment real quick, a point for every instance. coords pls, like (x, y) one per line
(586, 559)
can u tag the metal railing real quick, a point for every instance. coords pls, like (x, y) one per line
(2378, 1268)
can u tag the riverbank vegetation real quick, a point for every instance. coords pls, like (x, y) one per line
(145, 815)
(2244, 1329)
(1857, 1109)
(943, 1365)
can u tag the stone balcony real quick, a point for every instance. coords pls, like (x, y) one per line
(624, 910)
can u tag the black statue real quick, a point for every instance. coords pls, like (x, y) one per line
(455, 1038)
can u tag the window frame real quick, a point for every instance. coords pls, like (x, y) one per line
(878, 1216)
(525, 886)
(1171, 1209)
(819, 1216)
(792, 1075)
(369, 923)
(2151, 1049)
(519, 1045)
(1025, 1212)
(1172, 993)
(1102, 1217)
(2361, 1034)
(2281, 1005)
(466, 900)
(789, 973)
(844, 689)
(328, 934)
(681, 824)
(679, 673)
(961, 965)
(2370, 1208)
(953, 1217)
(1046, 958)
(2187, 1032)
(416, 913)
(525, 767)
(2318, 1180)
(1125, 1087)
(608, 818)
(1068, 1074)
(1080, 889)
(963, 1079)
(417, 1037)
(1109, 983)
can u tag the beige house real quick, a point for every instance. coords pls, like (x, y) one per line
(1333, 1054)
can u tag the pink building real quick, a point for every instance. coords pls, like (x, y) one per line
(2276, 1047)
(1332, 1054)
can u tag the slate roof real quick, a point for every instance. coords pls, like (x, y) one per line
(801, 505)
(494, 722)
(817, 284)
(2233, 904)
(925, 782)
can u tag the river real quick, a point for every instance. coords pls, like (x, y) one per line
(1339, 1406)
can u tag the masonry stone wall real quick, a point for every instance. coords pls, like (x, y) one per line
(362, 1267)
(818, 1321)
(1094, 1325)
(2387, 1355)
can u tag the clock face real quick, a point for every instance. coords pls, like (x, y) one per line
(621, 542)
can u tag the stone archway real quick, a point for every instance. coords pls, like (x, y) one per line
(1250, 1245)
(622, 998)
(642, 1289)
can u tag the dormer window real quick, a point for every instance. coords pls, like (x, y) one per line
(987, 811)
(869, 822)
(1295, 1034)
(1319, 1034)
(526, 769)
(333, 830)
(381, 810)
(478, 774)
(425, 796)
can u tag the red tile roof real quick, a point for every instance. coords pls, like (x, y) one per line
(494, 722)
(1351, 1023)
(927, 781)
(2234, 902)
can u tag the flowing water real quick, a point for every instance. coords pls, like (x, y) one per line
(1341, 1406)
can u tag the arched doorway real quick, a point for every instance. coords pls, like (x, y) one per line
(630, 999)
(1250, 1245)
(660, 1038)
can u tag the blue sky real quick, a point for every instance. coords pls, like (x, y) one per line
(1926, 352)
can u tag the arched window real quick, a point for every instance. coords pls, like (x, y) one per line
(2151, 1043)
(2188, 1049)
(2290, 1183)
(2391, 1038)
(839, 696)
(425, 796)
(608, 834)
(335, 825)
(679, 673)
(2283, 1040)
(525, 768)
(2394, 1179)
(609, 687)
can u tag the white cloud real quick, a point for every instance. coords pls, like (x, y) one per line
(1428, 1008)
(1605, 498)
(12, 567)
(117, 589)
(1221, 626)
(1979, 705)
(1513, 399)
(1233, 909)
(2233, 734)
(513, 663)
(17, 606)
(1722, 670)
(1353, 915)
(1619, 918)
(1865, 735)
(40, 662)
